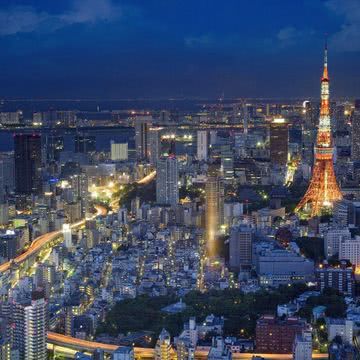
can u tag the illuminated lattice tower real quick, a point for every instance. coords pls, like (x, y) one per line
(323, 189)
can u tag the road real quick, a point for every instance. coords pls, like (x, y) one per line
(43, 240)
(64, 340)
(148, 353)
(147, 178)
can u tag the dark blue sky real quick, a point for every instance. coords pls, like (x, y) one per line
(171, 48)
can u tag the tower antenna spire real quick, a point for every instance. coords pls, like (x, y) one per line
(325, 72)
(326, 51)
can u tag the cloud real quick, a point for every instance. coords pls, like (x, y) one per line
(26, 19)
(289, 35)
(348, 37)
(85, 11)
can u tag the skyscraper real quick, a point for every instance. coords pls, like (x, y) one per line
(28, 320)
(167, 177)
(227, 162)
(240, 248)
(323, 190)
(142, 126)
(355, 133)
(6, 175)
(54, 146)
(202, 145)
(27, 163)
(279, 141)
(246, 118)
(154, 144)
(35, 328)
(214, 207)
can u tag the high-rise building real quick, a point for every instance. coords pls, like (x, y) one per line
(80, 185)
(122, 216)
(66, 229)
(28, 321)
(4, 213)
(323, 189)
(279, 141)
(27, 163)
(202, 145)
(154, 144)
(214, 207)
(246, 118)
(142, 126)
(311, 111)
(17, 316)
(73, 211)
(35, 328)
(355, 134)
(7, 174)
(167, 178)
(332, 240)
(227, 162)
(85, 143)
(8, 245)
(240, 247)
(54, 146)
(119, 152)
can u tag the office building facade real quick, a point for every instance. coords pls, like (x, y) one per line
(28, 162)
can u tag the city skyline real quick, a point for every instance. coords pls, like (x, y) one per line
(123, 49)
(173, 187)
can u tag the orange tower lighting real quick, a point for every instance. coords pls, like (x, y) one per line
(323, 189)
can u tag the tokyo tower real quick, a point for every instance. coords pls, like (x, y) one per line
(323, 189)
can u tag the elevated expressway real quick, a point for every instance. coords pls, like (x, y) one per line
(27, 258)
(67, 345)
(15, 268)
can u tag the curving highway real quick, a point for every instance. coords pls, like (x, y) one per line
(79, 344)
(147, 178)
(43, 240)
(149, 353)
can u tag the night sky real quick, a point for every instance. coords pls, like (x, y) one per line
(174, 48)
